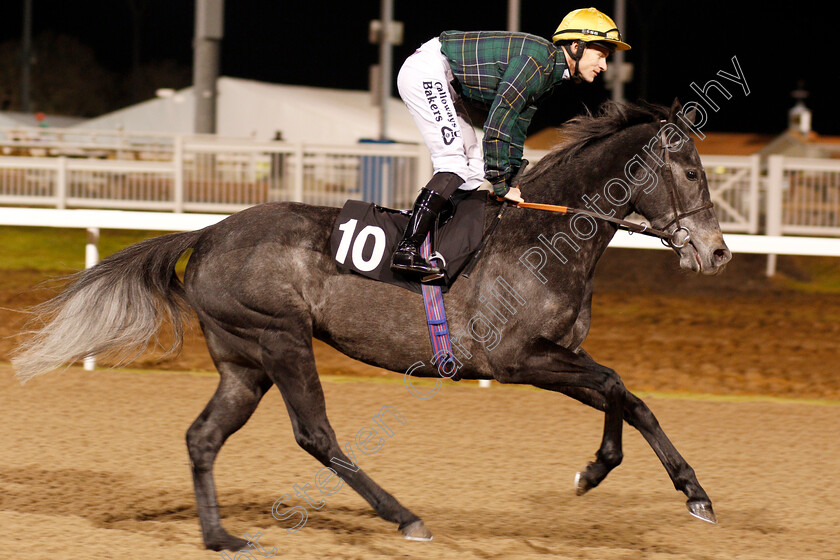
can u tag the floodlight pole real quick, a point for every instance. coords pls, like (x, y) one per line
(513, 15)
(209, 26)
(385, 63)
(26, 59)
(618, 57)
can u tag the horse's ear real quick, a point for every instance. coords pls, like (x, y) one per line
(676, 107)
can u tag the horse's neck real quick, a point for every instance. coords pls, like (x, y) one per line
(579, 183)
(554, 239)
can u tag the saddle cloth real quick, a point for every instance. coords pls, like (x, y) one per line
(365, 236)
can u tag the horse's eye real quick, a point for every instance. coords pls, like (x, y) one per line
(691, 174)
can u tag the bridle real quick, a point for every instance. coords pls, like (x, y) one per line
(676, 200)
(668, 239)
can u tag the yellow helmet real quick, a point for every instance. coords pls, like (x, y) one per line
(590, 25)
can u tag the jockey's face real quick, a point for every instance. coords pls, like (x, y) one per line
(593, 61)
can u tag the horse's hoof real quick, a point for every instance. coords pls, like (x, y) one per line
(702, 510)
(416, 531)
(582, 485)
(228, 542)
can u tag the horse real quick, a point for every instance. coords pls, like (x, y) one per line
(263, 283)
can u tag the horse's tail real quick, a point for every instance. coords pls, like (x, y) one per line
(114, 309)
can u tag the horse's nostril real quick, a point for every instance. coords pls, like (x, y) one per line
(722, 256)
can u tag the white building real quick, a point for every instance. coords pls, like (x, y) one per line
(251, 109)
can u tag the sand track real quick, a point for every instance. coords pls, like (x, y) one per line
(94, 465)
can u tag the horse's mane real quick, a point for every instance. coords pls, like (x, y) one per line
(584, 130)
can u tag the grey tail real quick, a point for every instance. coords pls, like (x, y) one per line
(114, 309)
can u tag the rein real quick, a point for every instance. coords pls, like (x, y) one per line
(667, 239)
(626, 225)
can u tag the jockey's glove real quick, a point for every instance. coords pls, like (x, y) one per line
(501, 187)
(503, 183)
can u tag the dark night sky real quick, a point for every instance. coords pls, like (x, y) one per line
(325, 44)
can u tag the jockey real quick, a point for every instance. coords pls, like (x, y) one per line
(502, 76)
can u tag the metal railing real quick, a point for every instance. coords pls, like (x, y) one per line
(208, 174)
(734, 186)
(803, 196)
(73, 142)
(115, 170)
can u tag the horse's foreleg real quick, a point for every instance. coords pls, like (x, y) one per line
(239, 392)
(638, 415)
(291, 364)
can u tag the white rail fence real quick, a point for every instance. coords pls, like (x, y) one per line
(734, 185)
(76, 142)
(803, 196)
(116, 170)
(204, 174)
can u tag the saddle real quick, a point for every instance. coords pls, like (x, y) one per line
(365, 236)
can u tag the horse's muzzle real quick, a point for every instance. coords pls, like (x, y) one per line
(715, 260)
(703, 259)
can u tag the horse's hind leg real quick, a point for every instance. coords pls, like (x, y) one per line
(239, 392)
(289, 360)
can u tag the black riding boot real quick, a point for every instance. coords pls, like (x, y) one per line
(407, 258)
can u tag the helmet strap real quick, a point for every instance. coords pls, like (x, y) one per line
(576, 56)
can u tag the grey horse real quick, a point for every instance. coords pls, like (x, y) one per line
(263, 283)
